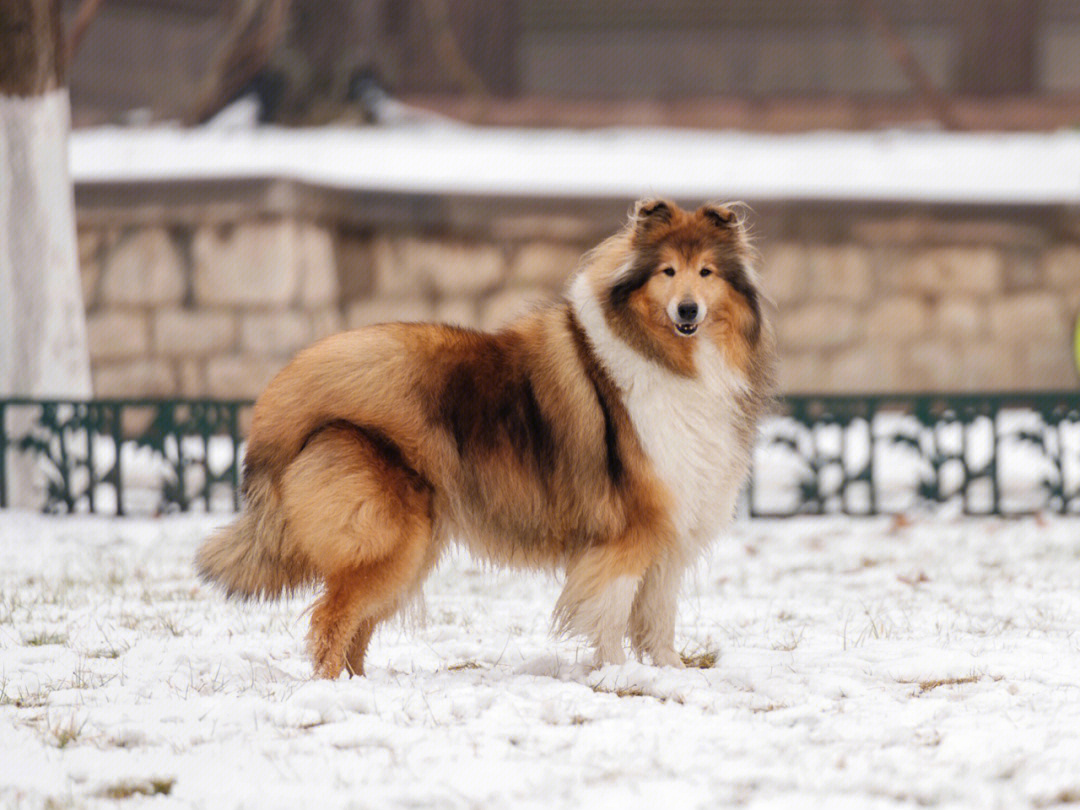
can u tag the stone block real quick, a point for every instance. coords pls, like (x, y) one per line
(143, 268)
(355, 261)
(90, 243)
(817, 325)
(1061, 266)
(318, 266)
(901, 230)
(933, 365)
(502, 307)
(253, 264)
(275, 333)
(395, 274)
(841, 272)
(1023, 271)
(90, 275)
(191, 333)
(802, 373)
(932, 230)
(546, 264)
(1019, 318)
(453, 267)
(581, 230)
(134, 378)
(118, 334)
(866, 367)
(231, 375)
(959, 317)
(389, 310)
(960, 365)
(459, 311)
(899, 317)
(785, 272)
(985, 365)
(325, 322)
(191, 376)
(1046, 365)
(950, 270)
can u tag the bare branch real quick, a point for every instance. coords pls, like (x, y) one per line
(88, 9)
(255, 29)
(449, 51)
(902, 55)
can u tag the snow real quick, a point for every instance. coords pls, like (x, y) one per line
(895, 165)
(861, 663)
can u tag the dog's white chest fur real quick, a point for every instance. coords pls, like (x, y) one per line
(688, 427)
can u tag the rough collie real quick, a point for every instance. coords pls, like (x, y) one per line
(607, 435)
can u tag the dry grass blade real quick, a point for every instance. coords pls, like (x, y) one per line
(702, 660)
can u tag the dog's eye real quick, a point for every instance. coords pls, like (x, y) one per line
(705, 271)
(668, 271)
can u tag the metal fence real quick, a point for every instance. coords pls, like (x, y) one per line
(1002, 454)
(112, 456)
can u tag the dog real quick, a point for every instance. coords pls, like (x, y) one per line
(606, 435)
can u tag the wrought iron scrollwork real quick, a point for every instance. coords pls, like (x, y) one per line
(121, 456)
(987, 454)
(860, 455)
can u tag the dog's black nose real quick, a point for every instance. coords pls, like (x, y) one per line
(687, 311)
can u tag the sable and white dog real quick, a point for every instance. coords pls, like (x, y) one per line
(607, 435)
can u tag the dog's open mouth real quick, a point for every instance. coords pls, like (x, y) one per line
(686, 329)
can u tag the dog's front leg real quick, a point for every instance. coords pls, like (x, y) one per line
(596, 603)
(652, 617)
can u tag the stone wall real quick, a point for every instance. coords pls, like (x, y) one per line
(911, 303)
(209, 294)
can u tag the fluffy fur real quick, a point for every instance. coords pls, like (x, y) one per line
(607, 436)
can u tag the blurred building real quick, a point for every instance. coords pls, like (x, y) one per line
(776, 64)
(206, 288)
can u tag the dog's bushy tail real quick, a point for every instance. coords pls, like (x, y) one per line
(252, 557)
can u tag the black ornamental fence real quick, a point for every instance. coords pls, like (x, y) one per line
(979, 454)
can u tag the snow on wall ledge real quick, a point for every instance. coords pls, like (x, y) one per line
(932, 167)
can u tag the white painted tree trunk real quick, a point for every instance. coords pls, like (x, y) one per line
(43, 348)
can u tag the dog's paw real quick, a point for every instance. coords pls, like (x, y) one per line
(667, 658)
(327, 662)
(609, 655)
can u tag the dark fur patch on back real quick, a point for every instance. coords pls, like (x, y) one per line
(599, 381)
(488, 399)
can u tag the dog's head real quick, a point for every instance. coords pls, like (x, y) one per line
(684, 277)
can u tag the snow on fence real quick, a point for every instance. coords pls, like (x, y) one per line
(861, 455)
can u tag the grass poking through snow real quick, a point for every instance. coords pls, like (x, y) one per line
(45, 639)
(701, 660)
(127, 790)
(934, 683)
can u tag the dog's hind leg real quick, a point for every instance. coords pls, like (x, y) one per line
(364, 522)
(357, 649)
(357, 646)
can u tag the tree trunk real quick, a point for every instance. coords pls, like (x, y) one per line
(43, 347)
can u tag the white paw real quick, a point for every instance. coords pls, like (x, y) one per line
(667, 658)
(609, 655)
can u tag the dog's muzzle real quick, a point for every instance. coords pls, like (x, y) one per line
(688, 315)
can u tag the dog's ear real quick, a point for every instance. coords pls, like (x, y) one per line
(721, 216)
(650, 212)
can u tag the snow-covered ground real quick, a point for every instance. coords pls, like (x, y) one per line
(1018, 168)
(859, 663)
